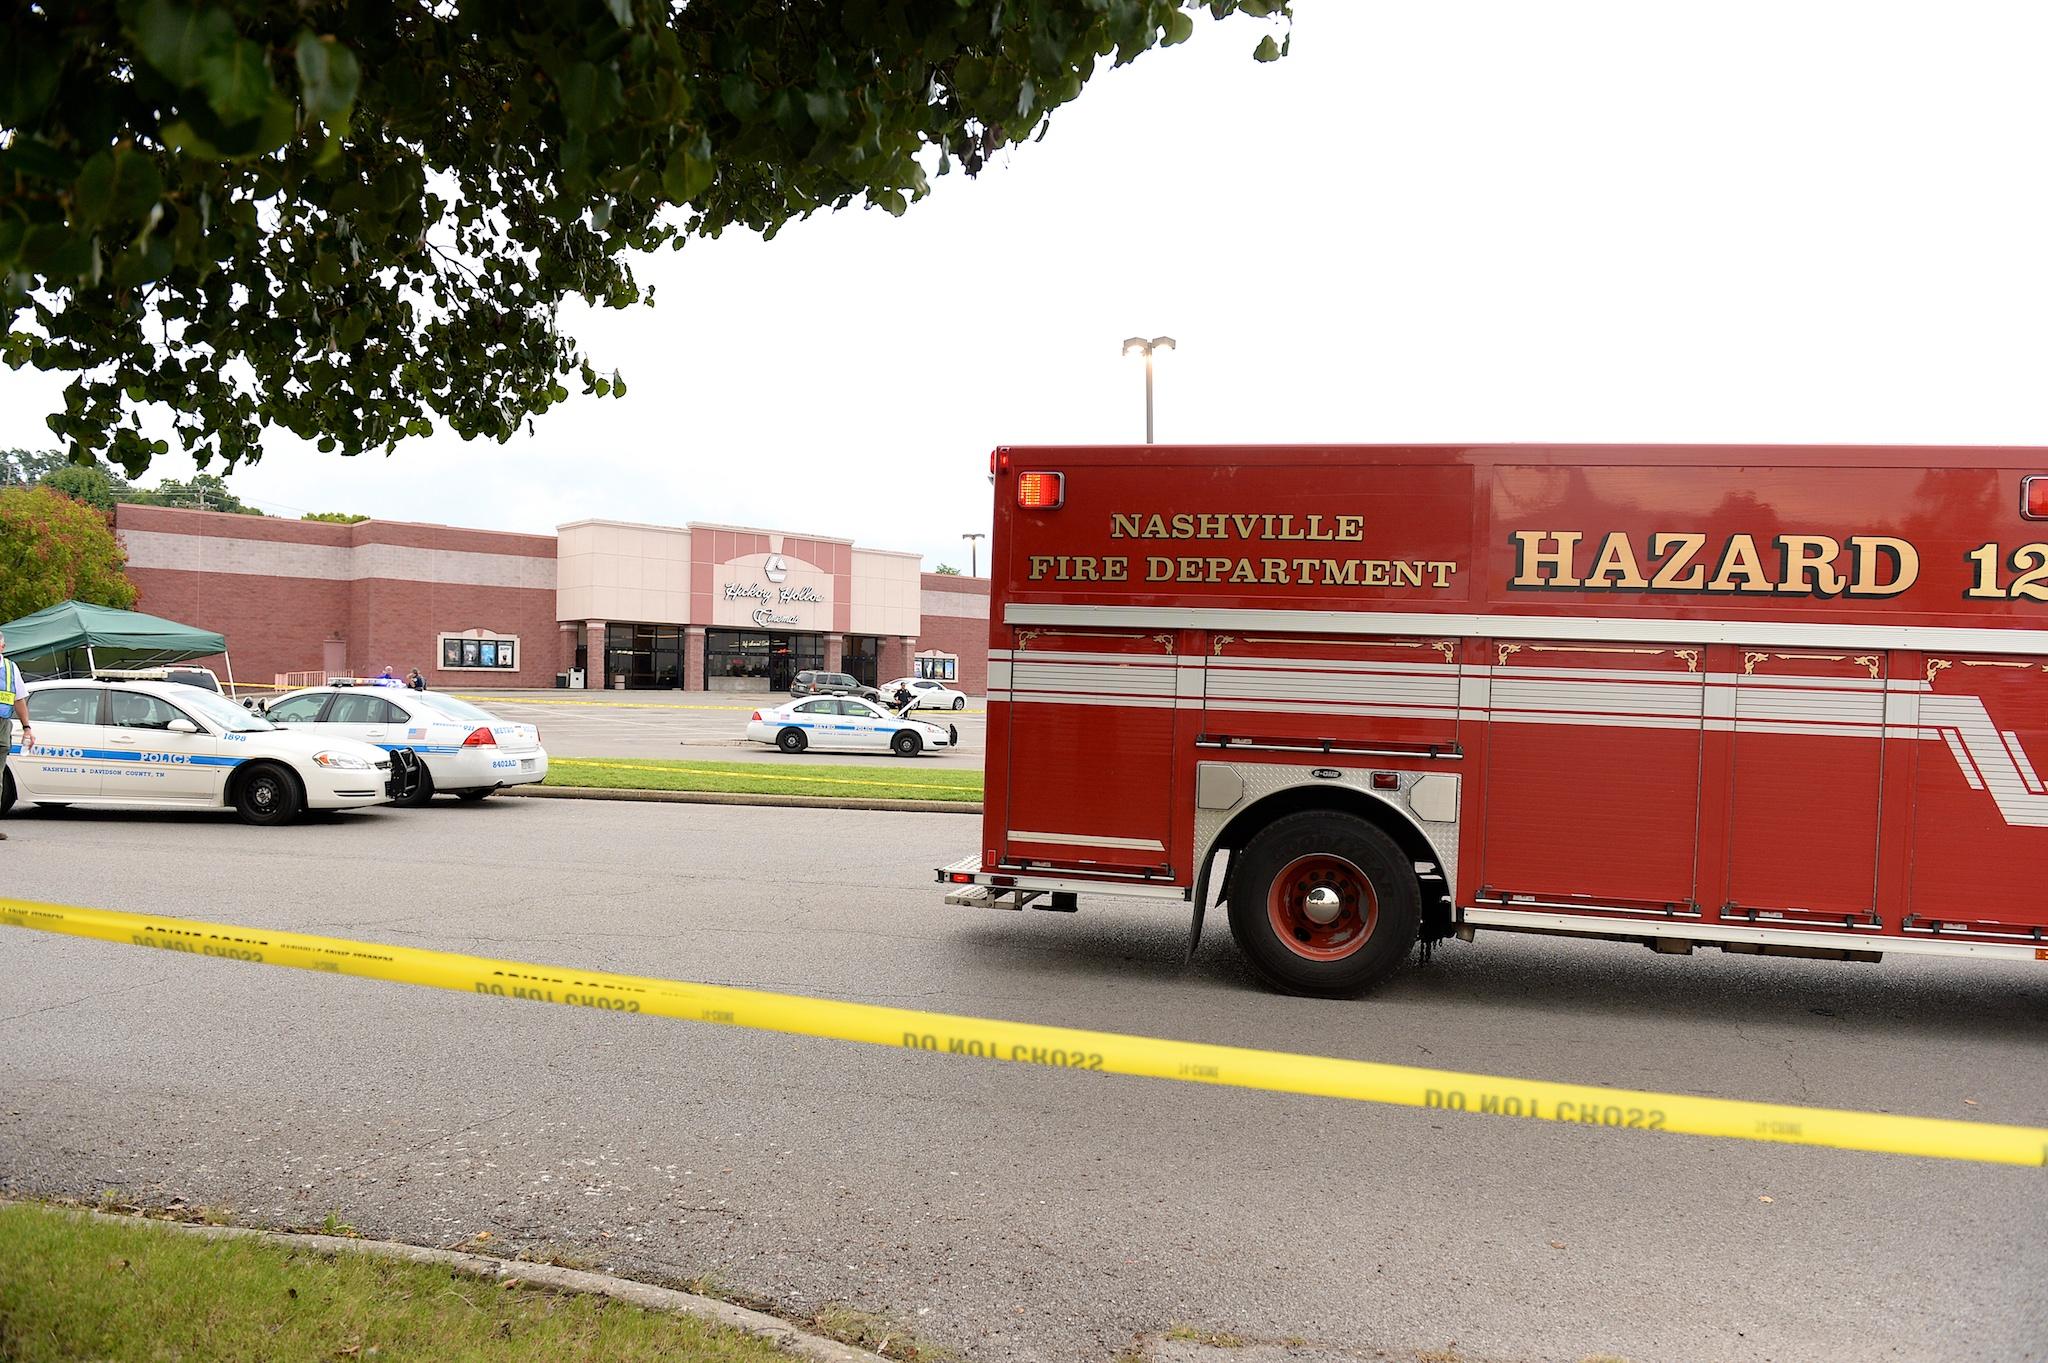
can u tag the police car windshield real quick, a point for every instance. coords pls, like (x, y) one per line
(220, 710)
(453, 708)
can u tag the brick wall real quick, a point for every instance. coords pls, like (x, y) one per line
(955, 613)
(279, 590)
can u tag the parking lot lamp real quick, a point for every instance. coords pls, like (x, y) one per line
(1138, 345)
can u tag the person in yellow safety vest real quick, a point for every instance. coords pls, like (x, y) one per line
(13, 706)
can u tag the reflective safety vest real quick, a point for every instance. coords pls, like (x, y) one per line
(10, 687)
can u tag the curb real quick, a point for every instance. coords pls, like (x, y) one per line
(780, 1332)
(726, 797)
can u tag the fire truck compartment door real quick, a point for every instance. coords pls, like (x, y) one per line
(1980, 806)
(1092, 742)
(1593, 756)
(1808, 763)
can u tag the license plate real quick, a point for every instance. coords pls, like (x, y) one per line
(526, 763)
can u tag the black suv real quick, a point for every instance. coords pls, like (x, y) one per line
(830, 684)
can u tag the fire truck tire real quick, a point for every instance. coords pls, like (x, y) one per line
(792, 740)
(906, 743)
(1324, 904)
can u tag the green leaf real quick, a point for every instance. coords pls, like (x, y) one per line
(1179, 28)
(329, 76)
(33, 157)
(176, 39)
(591, 95)
(688, 172)
(237, 80)
(1267, 50)
(119, 185)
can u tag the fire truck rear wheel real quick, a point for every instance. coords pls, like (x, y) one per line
(1325, 905)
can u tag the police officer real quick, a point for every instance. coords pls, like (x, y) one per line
(13, 706)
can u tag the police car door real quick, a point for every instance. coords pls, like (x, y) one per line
(66, 761)
(862, 726)
(155, 761)
(367, 718)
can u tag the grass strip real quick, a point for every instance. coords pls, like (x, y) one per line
(72, 1288)
(626, 773)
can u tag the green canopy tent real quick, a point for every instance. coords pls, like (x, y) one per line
(56, 640)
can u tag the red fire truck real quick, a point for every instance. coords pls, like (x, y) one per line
(1767, 699)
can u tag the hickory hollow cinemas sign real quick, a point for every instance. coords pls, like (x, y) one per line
(772, 591)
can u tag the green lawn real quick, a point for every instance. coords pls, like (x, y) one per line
(909, 780)
(73, 1289)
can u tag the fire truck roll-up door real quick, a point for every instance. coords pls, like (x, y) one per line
(1805, 790)
(1593, 763)
(1092, 745)
(1980, 807)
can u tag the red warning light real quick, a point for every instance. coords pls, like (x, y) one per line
(1041, 491)
(2034, 498)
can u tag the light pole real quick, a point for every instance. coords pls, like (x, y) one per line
(1138, 345)
(973, 552)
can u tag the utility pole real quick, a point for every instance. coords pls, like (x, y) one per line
(973, 547)
(1138, 345)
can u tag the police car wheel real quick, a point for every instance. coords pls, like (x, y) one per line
(421, 793)
(959, 702)
(906, 743)
(267, 795)
(1324, 904)
(792, 740)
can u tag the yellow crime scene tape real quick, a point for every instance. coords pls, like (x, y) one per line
(1053, 1047)
(778, 774)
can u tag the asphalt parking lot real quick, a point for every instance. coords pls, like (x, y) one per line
(698, 724)
(1009, 1212)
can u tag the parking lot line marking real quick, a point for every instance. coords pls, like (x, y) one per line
(637, 704)
(773, 775)
(1064, 1048)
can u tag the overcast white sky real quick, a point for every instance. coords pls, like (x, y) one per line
(1436, 220)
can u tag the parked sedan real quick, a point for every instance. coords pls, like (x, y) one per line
(467, 752)
(808, 683)
(925, 694)
(846, 724)
(163, 745)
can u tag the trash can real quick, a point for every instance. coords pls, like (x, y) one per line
(561, 681)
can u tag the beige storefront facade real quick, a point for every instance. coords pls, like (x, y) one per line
(730, 608)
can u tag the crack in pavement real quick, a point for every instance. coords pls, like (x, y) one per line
(87, 998)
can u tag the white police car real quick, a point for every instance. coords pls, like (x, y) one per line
(467, 752)
(849, 724)
(166, 745)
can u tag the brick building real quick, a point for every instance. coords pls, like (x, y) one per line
(697, 607)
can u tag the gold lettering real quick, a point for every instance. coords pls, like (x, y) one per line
(1340, 572)
(1870, 549)
(1810, 557)
(1158, 569)
(1243, 572)
(1531, 558)
(1212, 527)
(1443, 572)
(1407, 573)
(1673, 577)
(1275, 569)
(1121, 525)
(1155, 528)
(1740, 560)
(1183, 526)
(1615, 565)
(1116, 570)
(1351, 527)
(1377, 572)
(1244, 525)
(1039, 564)
(1191, 570)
